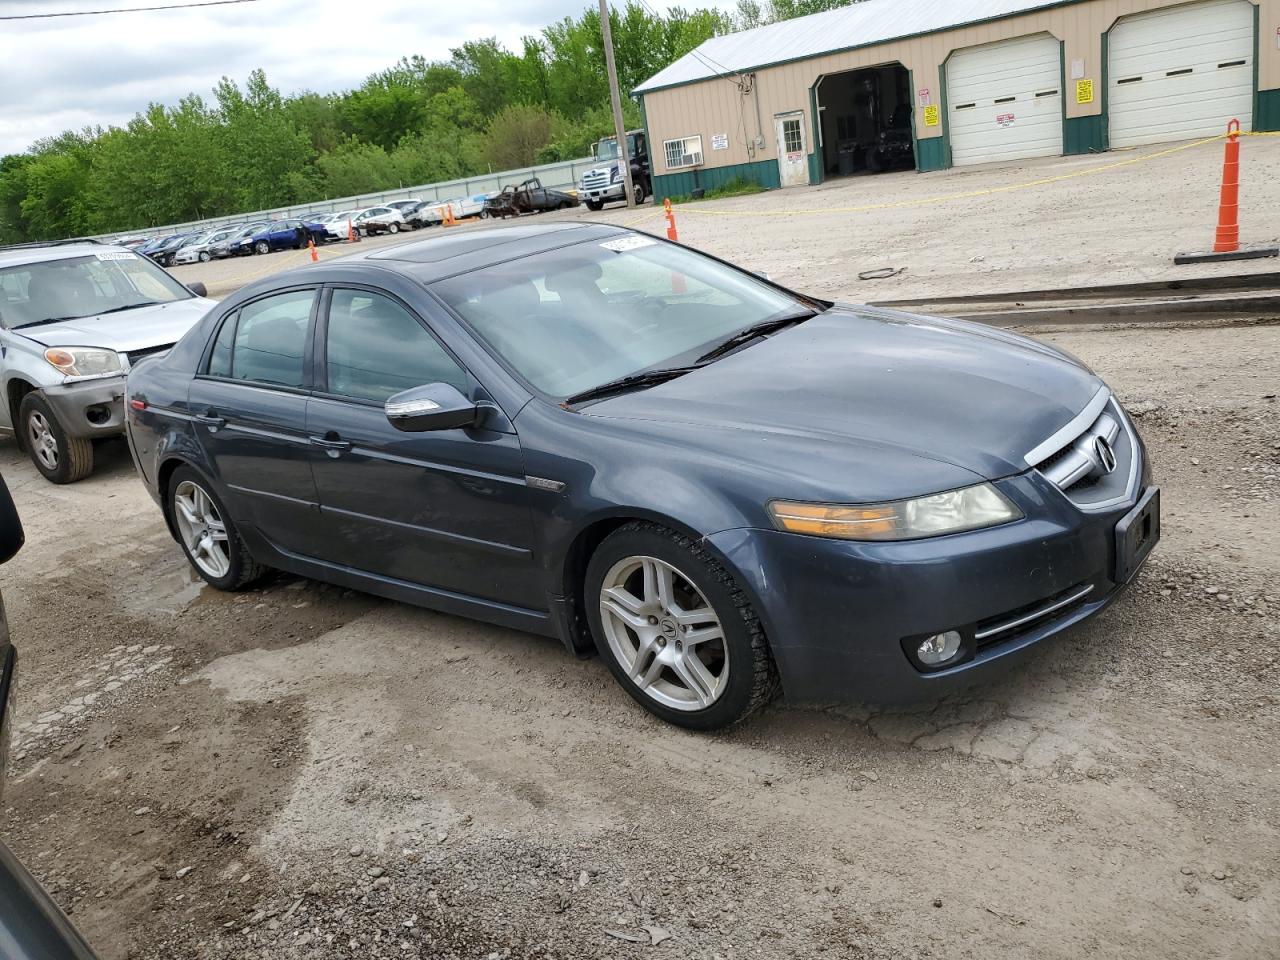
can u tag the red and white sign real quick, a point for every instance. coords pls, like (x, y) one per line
(1005, 119)
(926, 97)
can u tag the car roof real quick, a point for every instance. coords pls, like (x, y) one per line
(19, 255)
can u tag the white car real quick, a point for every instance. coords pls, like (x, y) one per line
(403, 205)
(461, 206)
(198, 247)
(375, 220)
(336, 224)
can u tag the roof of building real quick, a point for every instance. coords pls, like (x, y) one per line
(857, 25)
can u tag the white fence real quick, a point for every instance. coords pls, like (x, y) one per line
(563, 175)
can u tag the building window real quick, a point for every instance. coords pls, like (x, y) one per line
(792, 137)
(685, 152)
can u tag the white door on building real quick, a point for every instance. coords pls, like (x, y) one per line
(1004, 100)
(793, 157)
(1180, 72)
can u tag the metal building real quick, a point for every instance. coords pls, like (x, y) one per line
(931, 84)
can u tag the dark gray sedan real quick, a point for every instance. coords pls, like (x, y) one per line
(720, 485)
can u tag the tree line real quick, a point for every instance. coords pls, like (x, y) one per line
(484, 109)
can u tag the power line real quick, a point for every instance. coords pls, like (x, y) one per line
(98, 13)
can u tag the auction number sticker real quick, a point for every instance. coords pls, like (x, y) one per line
(116, 255)
(623, 244)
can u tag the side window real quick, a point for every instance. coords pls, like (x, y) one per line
(267, 342)
(376, 348)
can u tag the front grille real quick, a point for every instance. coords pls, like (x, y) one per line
(596, 180)
(1074, 460)
(133, 356)
(1012, 623)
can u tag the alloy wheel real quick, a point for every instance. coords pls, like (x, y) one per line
(202, 530)
(663, 632)
(41, 440)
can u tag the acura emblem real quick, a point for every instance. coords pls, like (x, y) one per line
(1105, 456)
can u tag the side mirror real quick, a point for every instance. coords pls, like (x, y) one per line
(11, 535)
(436, 406)
(198, 288)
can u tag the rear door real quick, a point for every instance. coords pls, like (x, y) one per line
(250, 402)
(446, 509)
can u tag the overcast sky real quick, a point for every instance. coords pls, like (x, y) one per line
(70, 72)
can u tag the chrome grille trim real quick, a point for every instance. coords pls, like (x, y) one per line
(1035, 614)
(1066, 459)
(595, 181)
(1075, 465)
(1079, 423)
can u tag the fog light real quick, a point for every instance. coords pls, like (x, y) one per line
(936, 650)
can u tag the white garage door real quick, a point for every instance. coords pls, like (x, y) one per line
(1180, 72)
(1004, 100)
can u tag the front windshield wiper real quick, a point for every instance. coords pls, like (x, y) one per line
(632, 381)
(753, 332)
(85, 316)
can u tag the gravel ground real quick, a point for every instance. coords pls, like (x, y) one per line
(987, 234)
(303, 771)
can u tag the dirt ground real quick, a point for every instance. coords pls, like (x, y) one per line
(1117, 217)
(301, 771)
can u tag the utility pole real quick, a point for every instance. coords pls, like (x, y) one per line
(619, 128)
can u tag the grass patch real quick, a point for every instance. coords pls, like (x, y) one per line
(737, 187)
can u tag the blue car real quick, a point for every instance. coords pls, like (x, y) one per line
(281, 235)
(722, 486)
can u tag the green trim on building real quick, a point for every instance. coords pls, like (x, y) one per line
(931, 154)
(815, 168)
(815, 158)
(1084, 135)
(943, 157)
(1266, 110)
(763, 172)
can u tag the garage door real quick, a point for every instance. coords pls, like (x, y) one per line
(1180, 72)
(1004, 100)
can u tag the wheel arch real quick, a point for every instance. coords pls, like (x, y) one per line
(15, 390)
(571, 579)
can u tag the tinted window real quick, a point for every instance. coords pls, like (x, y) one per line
(220, 358)
(376, 348)
(271, 340)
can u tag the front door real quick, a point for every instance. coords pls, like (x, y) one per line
(793, 158)
(446, 509)
(249, 403)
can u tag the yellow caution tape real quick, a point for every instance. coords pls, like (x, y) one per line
(962, 195)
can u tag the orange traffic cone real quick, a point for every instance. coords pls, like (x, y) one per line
(449, 219)
(351, 232)
(671, 219)
(315, 255)
(1226, 242)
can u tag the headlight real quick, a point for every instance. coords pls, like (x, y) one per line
(84, 361)
(969, 508)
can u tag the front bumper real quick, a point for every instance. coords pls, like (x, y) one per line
(89, 408)
(837, 612)
(615, 191)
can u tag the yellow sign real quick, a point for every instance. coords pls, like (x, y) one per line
(1084, 91)
(931, 118)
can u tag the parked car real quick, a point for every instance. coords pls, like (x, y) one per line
(403, 205)
(340, 224)
(529, 197)
(432, 212)
(164, 252)
(147, 246)
(717, 483)
(375, 220)
(199, 248)
(74, 317)
(229, 246)
(31, 925)
(291, 234)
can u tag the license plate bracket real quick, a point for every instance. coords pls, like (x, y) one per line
(1137, 534)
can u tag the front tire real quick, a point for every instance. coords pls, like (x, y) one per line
(595, 206)
(676, 630)
(207, 534)
(204, 256)
(393, 227)
(262, 246)
(59, 456)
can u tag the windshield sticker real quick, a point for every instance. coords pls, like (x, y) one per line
(115, 255)
(623, 244)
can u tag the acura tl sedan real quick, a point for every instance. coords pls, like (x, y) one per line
(722, 486)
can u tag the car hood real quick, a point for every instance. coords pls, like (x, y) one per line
(938, 390)
(139, 329)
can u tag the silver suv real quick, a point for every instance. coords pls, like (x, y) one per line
(74, 316)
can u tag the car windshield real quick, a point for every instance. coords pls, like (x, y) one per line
(201, 238)
(571, 319)
(113, 280)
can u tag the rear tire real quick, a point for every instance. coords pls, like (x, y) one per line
(649, 640)
(875, 163)
(59, 456)
(196, 513)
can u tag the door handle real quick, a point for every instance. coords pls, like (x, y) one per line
(332, 446)
(211, 421)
